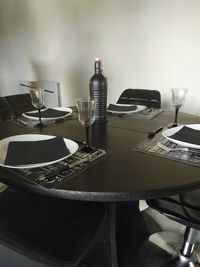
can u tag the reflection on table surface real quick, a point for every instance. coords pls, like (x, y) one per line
(123, 176)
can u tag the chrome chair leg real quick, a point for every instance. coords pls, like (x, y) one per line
(190, 239)
(167, 249)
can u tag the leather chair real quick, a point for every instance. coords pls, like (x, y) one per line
(46, 231)
(168, 249)
(147, 97)
(20, 103)
(6, 111)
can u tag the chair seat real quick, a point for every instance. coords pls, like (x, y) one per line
(183, 208)
(59, 235)
(5, 109)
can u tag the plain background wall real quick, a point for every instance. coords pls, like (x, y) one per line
(142, 43)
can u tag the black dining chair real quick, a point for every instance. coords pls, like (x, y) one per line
(6, 111)
(146, 97)
(46, 231)
(184, 209)
(20, 103)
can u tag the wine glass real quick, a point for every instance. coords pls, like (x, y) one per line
(37, 97)
(178, 97)
(86, 116)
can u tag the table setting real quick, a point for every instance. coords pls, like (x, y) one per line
(55, 113)
(175, 141)
(48, 116)
(34, 150)
(51, 173)
(46, 159)
(135, 111)
(180, 143)
(41, 116)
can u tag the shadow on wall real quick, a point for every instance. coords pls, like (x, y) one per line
(41, 71)
(79, 85)
(78, 78)
(43, 78)
(72, 83)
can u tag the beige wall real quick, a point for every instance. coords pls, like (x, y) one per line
(143, 44)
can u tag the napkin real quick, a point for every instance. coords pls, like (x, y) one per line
(33, 152)
(113, 107)
(48, 113)
(187, 135)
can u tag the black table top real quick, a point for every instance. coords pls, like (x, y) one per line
(124, 174)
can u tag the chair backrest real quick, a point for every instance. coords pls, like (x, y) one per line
(20, 103)
(50, 99)
(147, 97)
(6, 110)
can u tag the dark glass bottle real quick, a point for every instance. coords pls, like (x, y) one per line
(98, 92)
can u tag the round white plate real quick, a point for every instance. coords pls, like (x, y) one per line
(71, 146)
(51, 118)
(138, 109)
(169, 132)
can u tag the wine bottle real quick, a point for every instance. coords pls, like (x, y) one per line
(98, 92)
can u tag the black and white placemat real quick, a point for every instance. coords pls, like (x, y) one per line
(162, 147)
(148, 113)
(52, 175)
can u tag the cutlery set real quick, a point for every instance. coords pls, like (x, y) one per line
(153, 133)
(31, 123)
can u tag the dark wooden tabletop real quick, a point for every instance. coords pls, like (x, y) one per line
(124, 174)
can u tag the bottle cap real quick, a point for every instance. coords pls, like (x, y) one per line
(98, 65)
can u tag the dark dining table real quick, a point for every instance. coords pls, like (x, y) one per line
(119, 179)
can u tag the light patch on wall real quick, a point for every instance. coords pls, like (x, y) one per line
(143, 44)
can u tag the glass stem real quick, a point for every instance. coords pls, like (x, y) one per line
(176, 115)
(39, 113)
(87, 136)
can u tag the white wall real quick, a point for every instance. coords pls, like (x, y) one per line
(143, 44)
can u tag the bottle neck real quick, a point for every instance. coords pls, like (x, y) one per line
(98, 67)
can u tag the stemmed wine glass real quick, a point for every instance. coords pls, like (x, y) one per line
(86, 116)
(178, 97)
(37, 97)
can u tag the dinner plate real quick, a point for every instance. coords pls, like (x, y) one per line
(138, 109)
(50, 118)
(169, 132)
(71, 146)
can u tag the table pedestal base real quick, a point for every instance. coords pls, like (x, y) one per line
(120, 238)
